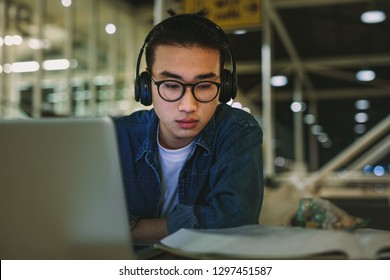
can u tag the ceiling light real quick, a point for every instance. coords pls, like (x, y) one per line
(298, 106)
(322, 137)
(56, 64)
(371, 17)
(240, 32)
(361, 117)
(362, 104)
(309, 119)
(359, 128)
(25, 66)
(8, 40)
(66, 3)
(379, 170)
(17, 40)
(279, 81)
(368, 169)
(327, 144)
(316, 129)
(280, 162)
(37, 44)
(110, 28)
(365, 75)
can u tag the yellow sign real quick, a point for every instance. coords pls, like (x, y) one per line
(228, 13)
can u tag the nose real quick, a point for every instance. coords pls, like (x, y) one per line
(188, 103)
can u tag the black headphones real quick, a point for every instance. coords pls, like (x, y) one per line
(143, 81)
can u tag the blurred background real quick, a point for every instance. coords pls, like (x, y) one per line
(314, 73)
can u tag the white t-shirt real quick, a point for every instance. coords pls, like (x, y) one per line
(171, 164)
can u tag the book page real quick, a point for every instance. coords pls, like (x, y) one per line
(374, 242)
(266, 242)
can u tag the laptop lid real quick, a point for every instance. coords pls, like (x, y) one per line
(61, 191)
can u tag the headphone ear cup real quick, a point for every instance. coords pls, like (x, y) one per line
(228, 86)
(143, 91)
(233, 87)
(136, 89)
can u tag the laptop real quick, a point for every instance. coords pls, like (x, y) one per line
(61, 191)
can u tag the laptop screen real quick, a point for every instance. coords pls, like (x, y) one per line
(61, 192)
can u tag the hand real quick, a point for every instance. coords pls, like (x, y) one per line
(150, 229)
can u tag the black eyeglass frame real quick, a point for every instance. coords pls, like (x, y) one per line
(184, 86)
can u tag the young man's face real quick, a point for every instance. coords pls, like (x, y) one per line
(182, 120)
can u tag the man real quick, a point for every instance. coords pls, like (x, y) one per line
(191, 161)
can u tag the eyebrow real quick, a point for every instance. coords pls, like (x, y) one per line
(168, 74)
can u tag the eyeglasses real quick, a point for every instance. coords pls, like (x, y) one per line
(171, 90)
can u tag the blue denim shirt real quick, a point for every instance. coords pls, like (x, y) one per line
(221, 183)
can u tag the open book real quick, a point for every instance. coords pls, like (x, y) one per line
(276, 242)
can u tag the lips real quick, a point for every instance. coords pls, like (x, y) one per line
(187, 123)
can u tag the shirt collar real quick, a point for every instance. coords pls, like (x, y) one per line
(204, 139)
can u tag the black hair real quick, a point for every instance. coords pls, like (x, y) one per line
(186, 30)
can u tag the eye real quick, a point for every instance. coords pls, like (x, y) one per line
(170, 85)
(204, 86)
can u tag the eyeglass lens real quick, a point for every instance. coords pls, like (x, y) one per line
(203, 91)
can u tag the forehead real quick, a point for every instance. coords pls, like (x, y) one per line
(179, 60)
